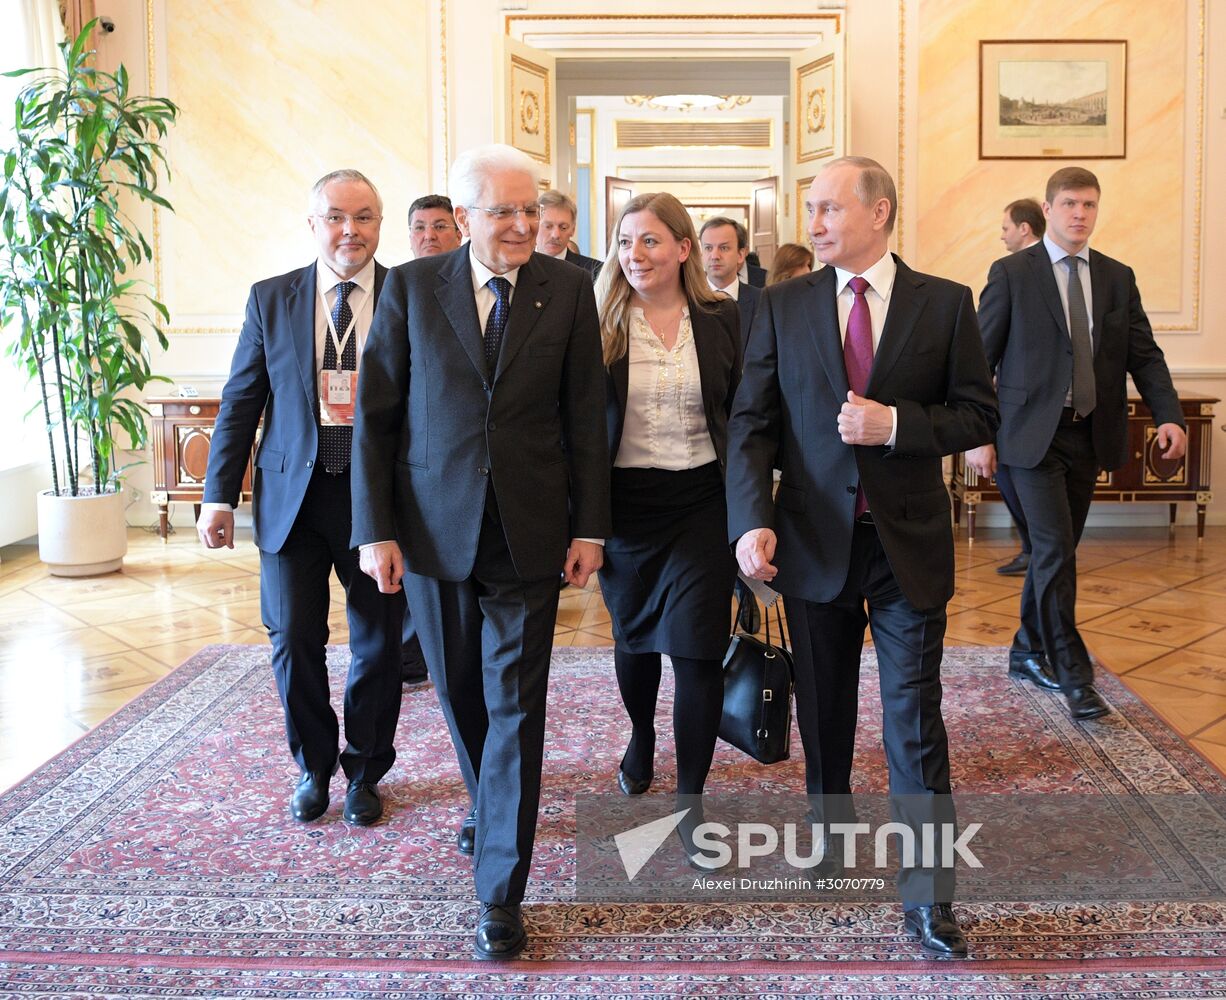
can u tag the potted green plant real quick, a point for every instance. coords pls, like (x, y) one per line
(85, 150)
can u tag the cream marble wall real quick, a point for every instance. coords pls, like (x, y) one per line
(961, 196)
(273, 95)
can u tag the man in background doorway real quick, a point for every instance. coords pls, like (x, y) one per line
(724, 244)
(557, 231)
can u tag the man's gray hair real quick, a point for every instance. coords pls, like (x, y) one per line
(873, 184)
(342, 175)
(556, 199)
(474, 167)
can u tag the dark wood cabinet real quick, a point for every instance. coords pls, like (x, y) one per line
(182, 434)
(1147, 477)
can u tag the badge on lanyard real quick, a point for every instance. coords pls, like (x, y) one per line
(338, 389)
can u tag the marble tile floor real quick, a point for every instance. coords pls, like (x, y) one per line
(1152, 608)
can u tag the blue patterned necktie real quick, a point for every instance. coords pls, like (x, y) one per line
(496, 325)
(336, 442)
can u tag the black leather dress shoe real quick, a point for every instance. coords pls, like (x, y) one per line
(1033, 667)
(362, 803)
(414, 672)
(937, 930)
(466, 839)
(310, 800)
(1016, 566)
(500, 932)
(1085, 703)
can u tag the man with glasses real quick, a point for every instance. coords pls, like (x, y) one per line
(296, 365)
(481, 470)
(558, 214)
(432, 228)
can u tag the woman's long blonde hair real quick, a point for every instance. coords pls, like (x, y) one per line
(613, 289)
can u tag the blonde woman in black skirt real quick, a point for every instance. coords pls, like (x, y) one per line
(671, 347)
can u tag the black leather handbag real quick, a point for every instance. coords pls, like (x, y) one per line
(758, 682)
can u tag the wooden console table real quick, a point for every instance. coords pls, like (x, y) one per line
(182, 434)
(1146, 478)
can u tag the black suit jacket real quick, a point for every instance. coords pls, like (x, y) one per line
(1026, 339)
(589, 264)
(434, 430)
(929, 364)
(756, 275)
(273, 374)
(717, 343)
(747, 299)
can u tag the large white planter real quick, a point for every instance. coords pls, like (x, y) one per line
(81, 536)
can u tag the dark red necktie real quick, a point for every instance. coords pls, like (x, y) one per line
(858, 355)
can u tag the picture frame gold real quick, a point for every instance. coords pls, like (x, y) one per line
(1053, 99)
(529, 109)
(816, 96)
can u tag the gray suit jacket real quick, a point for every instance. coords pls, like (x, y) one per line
(434, 431)
(1026, 339)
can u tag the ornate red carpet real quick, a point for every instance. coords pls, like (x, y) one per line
(156, 858)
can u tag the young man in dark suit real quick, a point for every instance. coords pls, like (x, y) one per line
(858, 379)
(481, 470)
(1063, 328)
(301, 337)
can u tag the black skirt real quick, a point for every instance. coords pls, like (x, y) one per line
(668, 570)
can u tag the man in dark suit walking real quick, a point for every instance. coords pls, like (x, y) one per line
(858, 379)
(296, 365)
(481, 470)
(1063, 327)
(724, 243)
(557, 228)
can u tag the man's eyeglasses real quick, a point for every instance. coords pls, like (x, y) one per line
(336, 218)
(439, 227)
(500, 213)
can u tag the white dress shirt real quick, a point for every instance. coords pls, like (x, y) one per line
(665, 425)
(880, 278)
(733, 291)
(1060, 270)
(361, 304)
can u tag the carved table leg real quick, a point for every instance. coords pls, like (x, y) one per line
(163, 521)
(1200, 523)
(1174, 508)
(970, 523)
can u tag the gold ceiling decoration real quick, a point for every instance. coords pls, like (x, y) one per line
(688, 102)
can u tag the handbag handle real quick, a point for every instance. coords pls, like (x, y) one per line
(766, 618)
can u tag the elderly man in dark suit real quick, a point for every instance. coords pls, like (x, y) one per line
(296, 365)
(1063, 327)
(481, 471)
(858, 379)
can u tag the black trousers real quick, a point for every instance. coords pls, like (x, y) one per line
(487, 642)
(1056, 496)
(294, 603)
(1008, 493)
(828, 639)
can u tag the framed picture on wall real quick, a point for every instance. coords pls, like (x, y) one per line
(1052, 100)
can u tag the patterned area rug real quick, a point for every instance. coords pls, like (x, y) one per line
(156, 858)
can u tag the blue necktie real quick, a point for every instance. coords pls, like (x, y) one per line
(336, 443)
(496, 325)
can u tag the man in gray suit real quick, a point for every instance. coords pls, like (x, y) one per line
(481, 470)
(558, 215)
